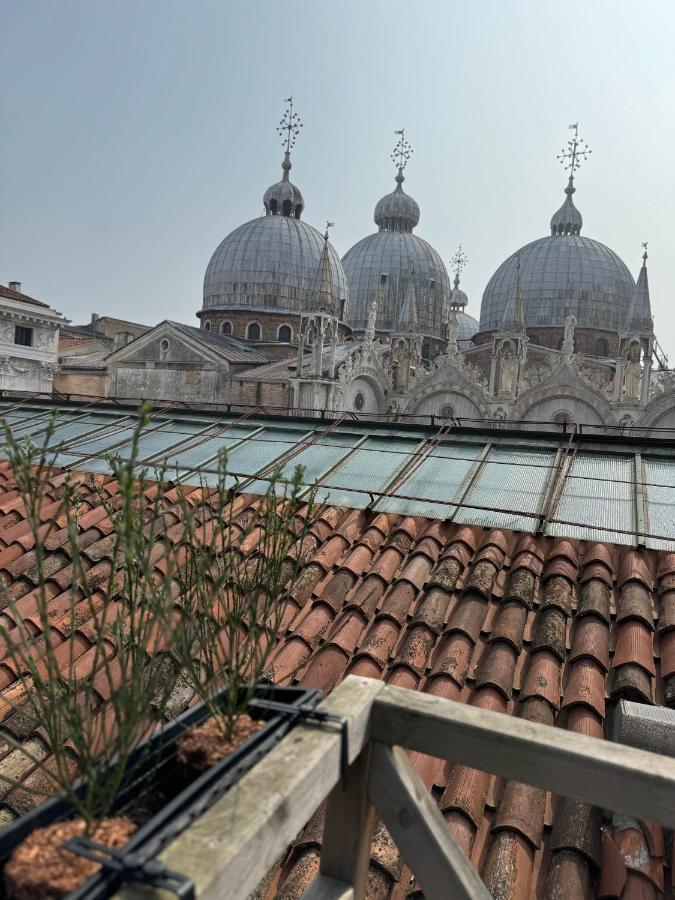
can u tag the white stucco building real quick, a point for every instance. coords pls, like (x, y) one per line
(29, 337)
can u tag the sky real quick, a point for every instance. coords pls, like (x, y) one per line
(136, 135)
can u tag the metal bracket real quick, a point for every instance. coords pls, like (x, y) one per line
(133, 867)
(311, 714)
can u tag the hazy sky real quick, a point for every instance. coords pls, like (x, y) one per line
(136, 135)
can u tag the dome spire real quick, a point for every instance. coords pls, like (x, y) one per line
(458, 299)
(568, 220)
(284, 198)
(324, 299)
(639, 319)
(398, 211)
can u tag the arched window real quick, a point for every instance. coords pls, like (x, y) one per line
(253, 331)
(601, 347)
(285, 334)
(274, 207)
(207, 325)
(286, 207)
(226, 327)
(426, 349)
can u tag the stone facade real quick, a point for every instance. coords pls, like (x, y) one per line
(29, 335)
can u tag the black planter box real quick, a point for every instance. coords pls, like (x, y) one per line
(153, 771)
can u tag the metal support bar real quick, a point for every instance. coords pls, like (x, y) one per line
(641, 508)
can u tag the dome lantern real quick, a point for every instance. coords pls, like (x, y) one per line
(284, 198)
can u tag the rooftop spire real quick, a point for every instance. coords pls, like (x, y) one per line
(568, 220)
(324, 300)
(408, 318)
(458, 299)
(284, 198)
(639, 319)
(402, 153)
(514, 318)
(288, 129)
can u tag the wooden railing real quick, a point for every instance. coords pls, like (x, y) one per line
(228, 851)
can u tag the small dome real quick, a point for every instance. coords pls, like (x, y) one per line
(567, 220)
(458, 298)
(284, 198)
(397, 211)
(468, 326)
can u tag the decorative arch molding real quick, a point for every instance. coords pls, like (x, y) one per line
(368, 387)
(658, 409)
(364, 363)
(566, 397)
(446, 381)
(431, 402)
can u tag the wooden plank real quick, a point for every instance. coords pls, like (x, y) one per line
(620, 778)
(228, 850)
(348, 832)
(325, 888)
(419, 830)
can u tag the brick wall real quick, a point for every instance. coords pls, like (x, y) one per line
(94, 383)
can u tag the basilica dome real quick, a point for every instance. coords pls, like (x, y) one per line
(272, 263)
(560, 273)
(395, 252)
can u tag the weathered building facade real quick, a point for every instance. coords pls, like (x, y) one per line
(29, 335)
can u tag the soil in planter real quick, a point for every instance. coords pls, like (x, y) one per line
(204, 745)
(41, 869)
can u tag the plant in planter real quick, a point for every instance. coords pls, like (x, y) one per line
(238, 573)
(88, 682)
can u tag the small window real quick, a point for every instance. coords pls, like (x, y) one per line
(23, 336)
(253, 331)
(207, 325)
(359, 400)
(601, 347)
(285, 333)
(226, 328)
(164, 345)
(447, 411)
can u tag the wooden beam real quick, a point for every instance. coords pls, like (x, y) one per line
(599, 772)
(348, 832)
(229, 850)
(421, 833)
(325, 888)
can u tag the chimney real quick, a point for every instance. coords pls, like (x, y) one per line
(94, 321)
(14, 286)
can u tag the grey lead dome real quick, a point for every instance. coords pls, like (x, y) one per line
(272, 264)
(559, 273)
(395, 251)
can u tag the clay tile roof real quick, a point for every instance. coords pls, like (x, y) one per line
(455, 611)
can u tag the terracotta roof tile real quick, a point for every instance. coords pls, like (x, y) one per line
(508, 868)
(667, 647)
(550, 631)
(634, 646)
(633, 566)
(591, 639)
(428, 606)
(634, 602)
(594, 598)
(613, 871)
(542, 678)
(568, 877)
(509, 625)
(667, 611)
(585, 685)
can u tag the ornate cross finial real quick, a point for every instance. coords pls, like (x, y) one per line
(577, 150)
(644, 247)
(289, 126)
(458, 261)
(402, 151)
